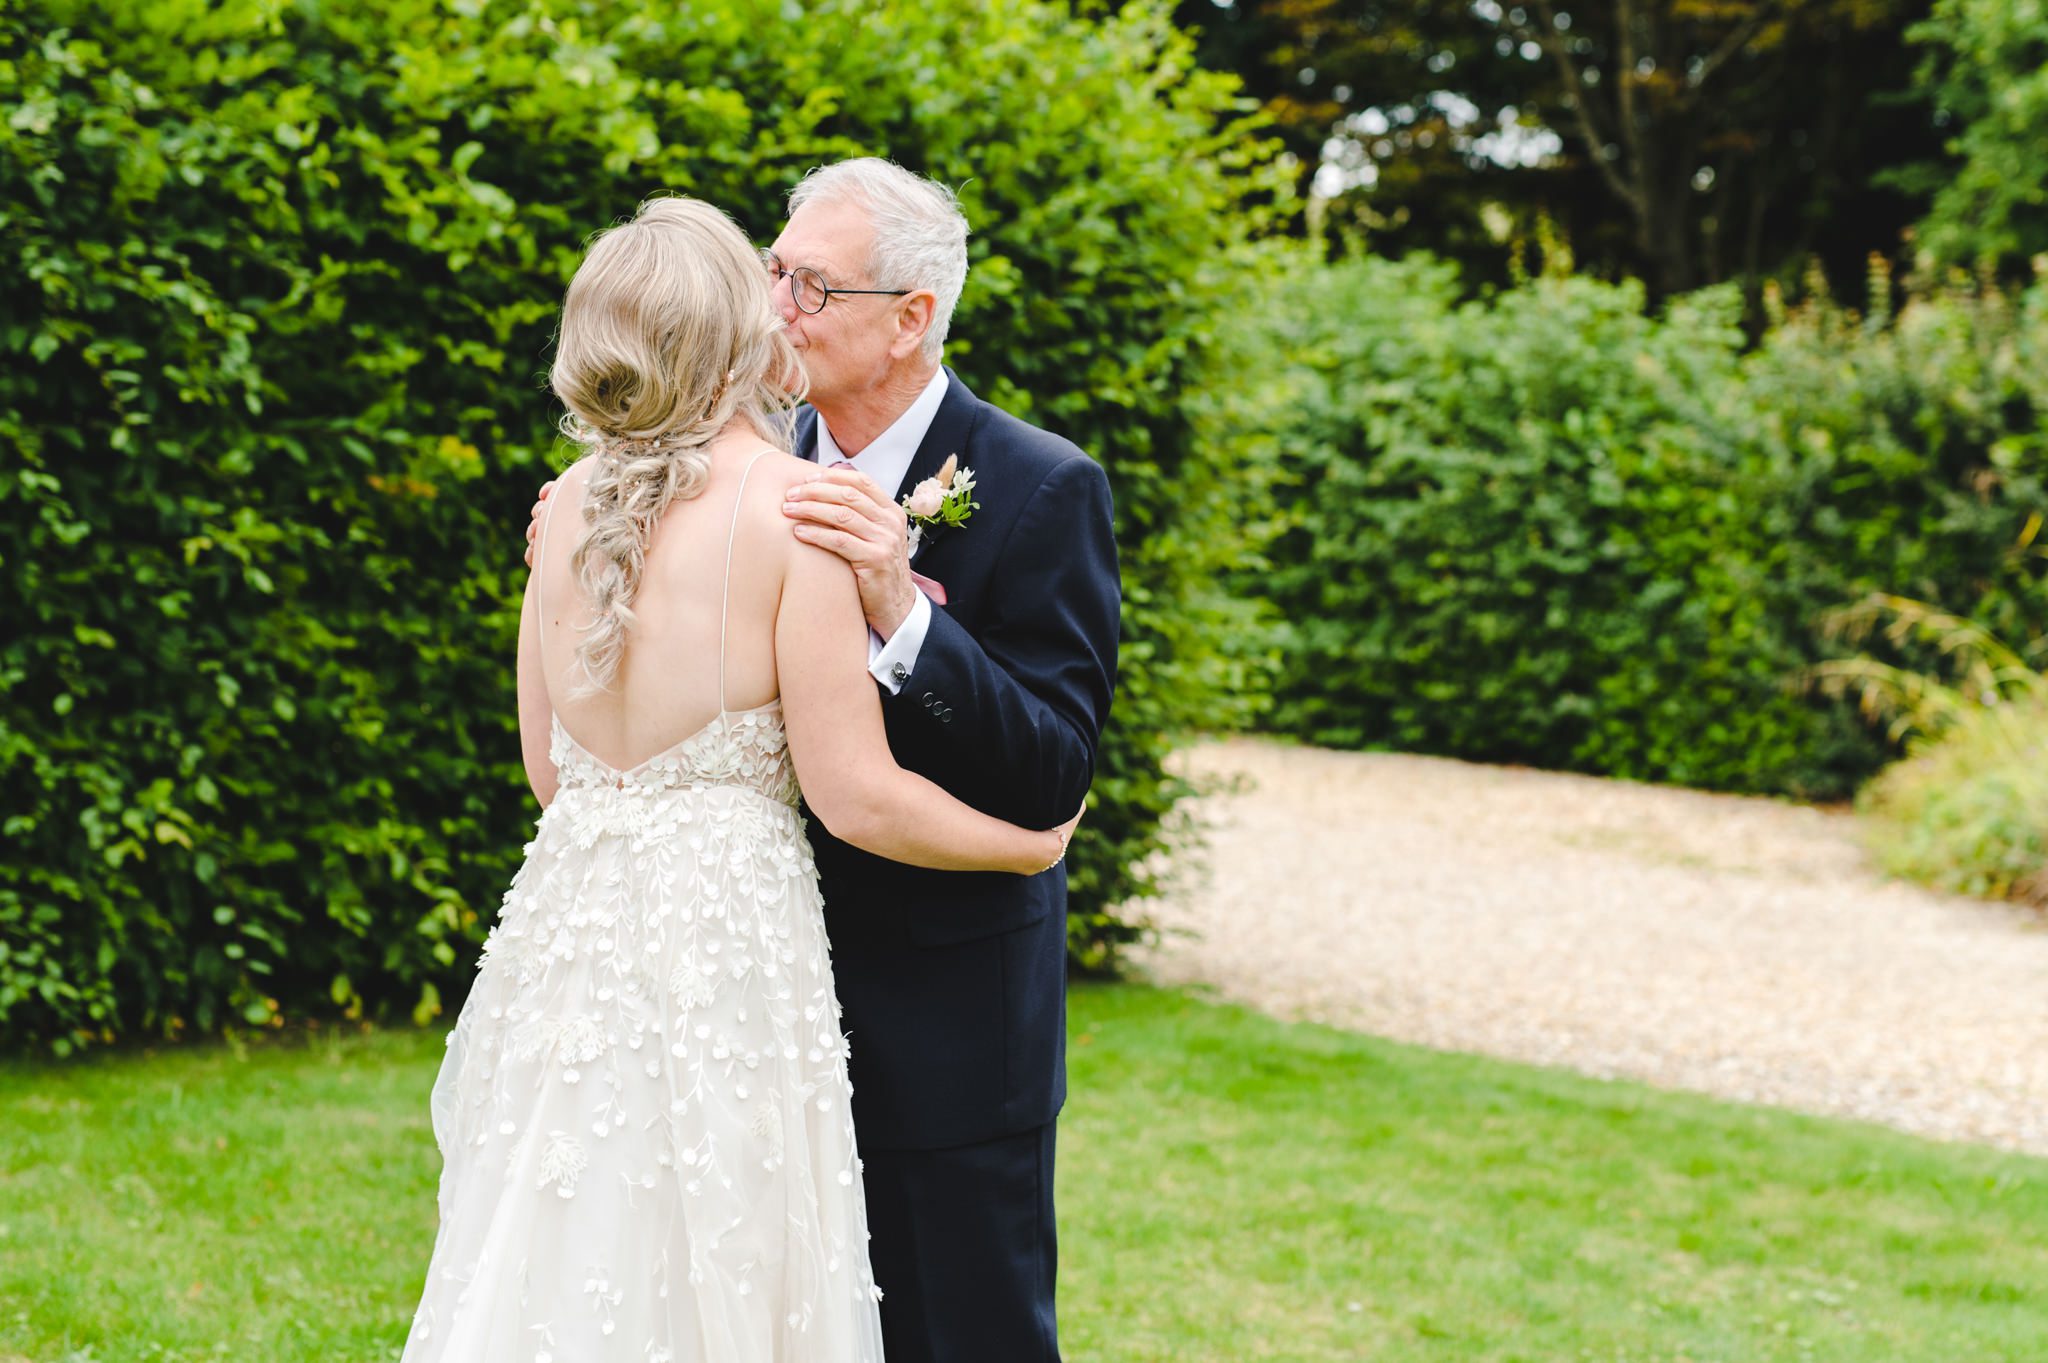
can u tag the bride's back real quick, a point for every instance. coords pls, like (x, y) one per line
(667, 682)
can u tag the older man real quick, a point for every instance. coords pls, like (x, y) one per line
(996, 664)
(996, 659)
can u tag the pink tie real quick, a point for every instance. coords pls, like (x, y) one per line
(931, 587)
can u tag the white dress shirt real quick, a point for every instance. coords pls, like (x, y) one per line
(886, 460)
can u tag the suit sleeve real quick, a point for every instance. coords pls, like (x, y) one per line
(1024, 704)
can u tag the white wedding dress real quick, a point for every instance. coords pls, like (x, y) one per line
(644, 1110)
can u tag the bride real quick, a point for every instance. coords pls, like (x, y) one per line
(644, 1110)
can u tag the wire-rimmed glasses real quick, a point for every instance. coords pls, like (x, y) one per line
(808, 289)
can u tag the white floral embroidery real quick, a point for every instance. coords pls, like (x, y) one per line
(766, 1127)
(604, 1300)
(692, 987)
(562, 1162)
(579, 1039)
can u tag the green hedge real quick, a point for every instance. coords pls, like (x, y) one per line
(281, 285)
(1547, 529)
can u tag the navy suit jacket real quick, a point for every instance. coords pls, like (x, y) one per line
(952, 984)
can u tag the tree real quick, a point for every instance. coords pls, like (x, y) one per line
(1986, 70)
(1374, 103)
(1705, 118)
(1682, 141)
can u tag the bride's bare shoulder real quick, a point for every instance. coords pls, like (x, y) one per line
(571, 481)
(783, 470)
(774, 474)
(565, 491)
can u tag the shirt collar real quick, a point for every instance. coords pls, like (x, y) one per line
(888, 457)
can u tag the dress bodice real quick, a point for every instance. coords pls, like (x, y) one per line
(744, 748)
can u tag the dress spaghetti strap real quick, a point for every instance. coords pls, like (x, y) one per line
(540, 559)
(725, 601)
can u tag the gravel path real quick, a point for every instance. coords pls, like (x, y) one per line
(1739, 947)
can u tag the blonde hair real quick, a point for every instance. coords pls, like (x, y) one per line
(668, 337)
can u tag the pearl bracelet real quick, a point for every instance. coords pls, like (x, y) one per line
(1065, 834)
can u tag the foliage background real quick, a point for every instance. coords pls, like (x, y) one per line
(1551, 529)
(283, 278)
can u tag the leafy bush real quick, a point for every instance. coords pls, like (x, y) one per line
(1548, 529)
(1967, 810)
(282, 282)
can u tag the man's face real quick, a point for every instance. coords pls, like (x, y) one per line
(845, 348)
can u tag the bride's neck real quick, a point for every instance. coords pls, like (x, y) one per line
(739, 433)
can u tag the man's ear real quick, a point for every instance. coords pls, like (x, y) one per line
(914, 313)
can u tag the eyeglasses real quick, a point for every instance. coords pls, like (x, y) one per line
(808, 289)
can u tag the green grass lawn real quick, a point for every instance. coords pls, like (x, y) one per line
(1231, 1188)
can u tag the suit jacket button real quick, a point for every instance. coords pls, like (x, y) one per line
(928, 701)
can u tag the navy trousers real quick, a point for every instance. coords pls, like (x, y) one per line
(964, 1250)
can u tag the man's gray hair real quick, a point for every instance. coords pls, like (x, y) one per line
(920, 232)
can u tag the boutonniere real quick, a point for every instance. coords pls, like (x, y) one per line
(941, 501)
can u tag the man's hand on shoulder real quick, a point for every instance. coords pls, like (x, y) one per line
(533, 518)
(847, 512)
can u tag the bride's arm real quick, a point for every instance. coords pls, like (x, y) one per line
(836, 739)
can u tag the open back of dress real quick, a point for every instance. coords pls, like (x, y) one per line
(671, 684)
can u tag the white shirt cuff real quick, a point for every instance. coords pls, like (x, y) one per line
(892, 662)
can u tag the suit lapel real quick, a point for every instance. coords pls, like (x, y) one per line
(806, 442)
(947, 435)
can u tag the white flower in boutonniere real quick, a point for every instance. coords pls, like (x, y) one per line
(941, 501)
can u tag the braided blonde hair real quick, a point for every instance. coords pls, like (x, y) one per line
(668, 338)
